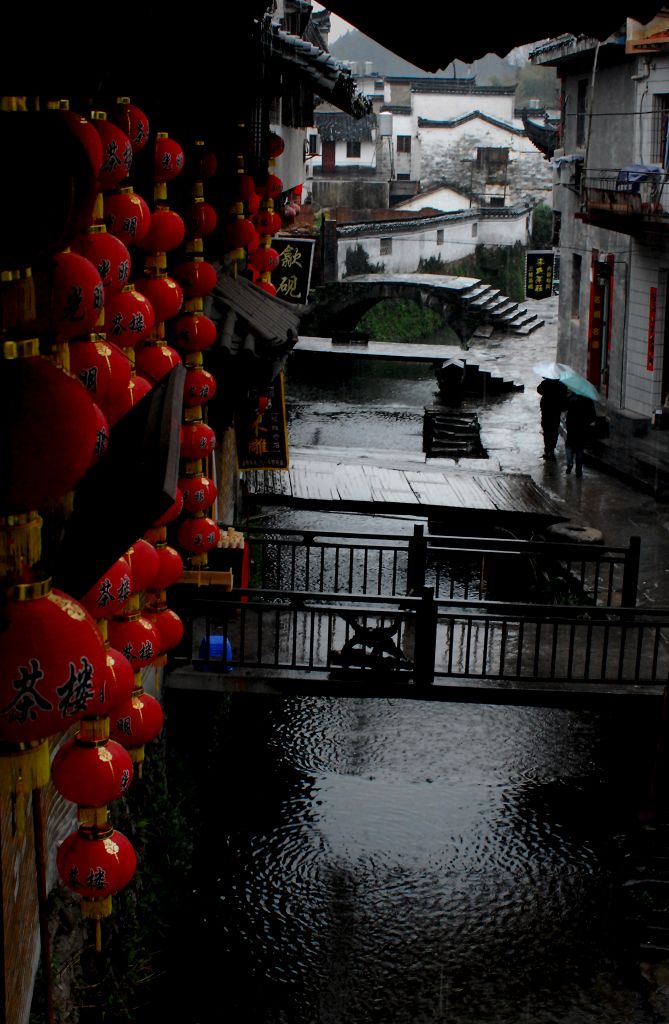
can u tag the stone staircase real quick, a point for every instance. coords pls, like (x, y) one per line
(458, 378)
(488, 304)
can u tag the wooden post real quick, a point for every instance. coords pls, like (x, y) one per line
(417, 560)
(631, 573)
(426, 637)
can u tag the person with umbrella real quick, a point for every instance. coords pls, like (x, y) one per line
(554, 397)
(578, 398)
(580, 422)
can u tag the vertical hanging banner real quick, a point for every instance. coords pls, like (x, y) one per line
(539, 273)
(262, 443)
(292, 277)
(652, 319)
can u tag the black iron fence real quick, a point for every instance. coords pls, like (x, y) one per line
(462, 568)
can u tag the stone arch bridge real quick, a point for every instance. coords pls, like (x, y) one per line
(465, 303)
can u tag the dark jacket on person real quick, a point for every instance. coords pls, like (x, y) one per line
(580, 421)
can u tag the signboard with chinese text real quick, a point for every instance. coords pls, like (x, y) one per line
(539, 274)
(292, 277)
(262, 443)
(652, 319)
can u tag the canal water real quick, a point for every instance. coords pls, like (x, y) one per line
(368, 861)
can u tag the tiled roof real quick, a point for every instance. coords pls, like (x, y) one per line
(339, 127)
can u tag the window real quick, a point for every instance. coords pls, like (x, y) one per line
(660, 154)
(403, 143)
(492, 158)
(440, 236)
(581, 111)
(575, 286)
(386, 247)
(497, 200)
(313, 144)
(378, 86)
(404, 177)
(353, 148)
(475, 230)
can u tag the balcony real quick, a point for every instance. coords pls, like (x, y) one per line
(629, 200)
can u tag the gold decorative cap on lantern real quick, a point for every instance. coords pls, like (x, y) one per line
(98, 115)
(25, 349)
(32, 591)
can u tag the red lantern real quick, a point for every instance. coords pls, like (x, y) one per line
(197, 441)
(196, 276)
(135, 391)
(267, 222)
(166, 231)
(272, 187)
(246, 186)
(101, 434)
(135, 638)
(193, 332)
(198, 534)
(129, 317)
(108, 254)
(144, 564)
(109, 594)
(77, 296)
(48, 431)
(199, 493)
(200, 219)
(268, 287)
(172, 513)
(134, 123)
(119, 683)
(102, 368)
(137, 721)
(199, 387)
(91, 774)
(155, 361)
(169, 158)
(276, 145)
(52, 663)
(253, 203)
(171, 567)
(241, 234)
(127, 215)
(95, 863)
(163, 293)
(168, 625)
(264, 260)
(205, 162)
(116, 153)
(87, 135)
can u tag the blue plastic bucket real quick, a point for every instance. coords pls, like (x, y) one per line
(216, 649)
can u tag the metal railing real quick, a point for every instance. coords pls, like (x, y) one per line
(458, 568)
(426, 640)
(611, 191)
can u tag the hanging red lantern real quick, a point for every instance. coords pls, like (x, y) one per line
(197, 440)
(276, 145)
(129, 317)
(200, 219)
(110, 593)
(166, 231)
(199, 492)
(241, 234)
(171, 567)
(135, 638)
(196, 276)
(95, 863)
(272, 187)
(144, 564)
(199, 387)
(76, 296)
(48, 430)
(253, 203)
(168, 158)
(108, 254)
(133, 122)
(91, 774)
(137, 388)
(102, 368)
(268, 287)
(193, 332)
(164, 294)
(246, 186)
(52, 662)
(265, 260)
(204, 162)
(172, 513)
(119, 683)
(267, 222)
(198, 534)
(127, 215)
(87, 135)
(155, 361)
(136, 722)
(168, 625)
(116, 152)
(101, 434)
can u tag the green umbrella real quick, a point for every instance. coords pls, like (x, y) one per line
(579, 385)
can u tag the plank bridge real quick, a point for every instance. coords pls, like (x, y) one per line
(428, 618)
(466, 304)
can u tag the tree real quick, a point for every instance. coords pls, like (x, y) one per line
(542, 227)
